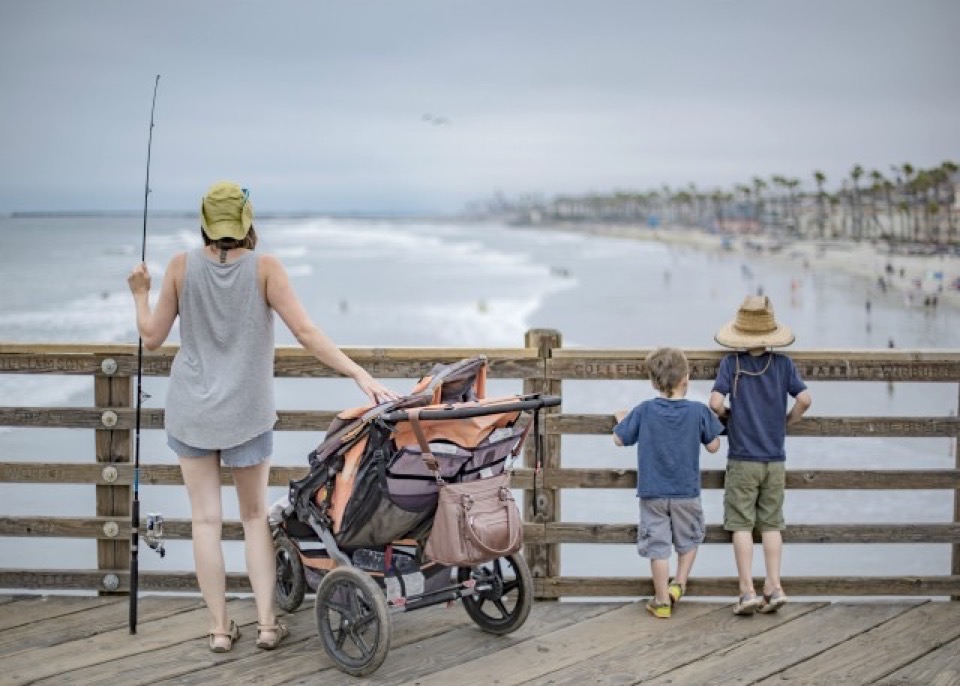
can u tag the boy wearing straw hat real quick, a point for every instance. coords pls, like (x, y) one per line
(757, 382)
(668, 432)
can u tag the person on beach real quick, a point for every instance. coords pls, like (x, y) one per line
(220, 401)
(668, 432)
(757, 382)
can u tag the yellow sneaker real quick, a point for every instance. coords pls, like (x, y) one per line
(658, 610)
(675, 591)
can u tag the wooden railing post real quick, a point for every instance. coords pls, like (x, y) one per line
(955, 555)
(542, 505)
(112, 446)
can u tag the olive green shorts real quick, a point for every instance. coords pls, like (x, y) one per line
(753, 496)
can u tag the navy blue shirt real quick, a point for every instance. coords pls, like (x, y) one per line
(668, 434)
(758, 404)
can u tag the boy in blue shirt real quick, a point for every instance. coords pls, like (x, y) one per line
(758, 382)
(668, 432)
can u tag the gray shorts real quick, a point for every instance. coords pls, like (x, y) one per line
(666, 521)
(248, 454)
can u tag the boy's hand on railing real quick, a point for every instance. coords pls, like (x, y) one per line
(619, 415)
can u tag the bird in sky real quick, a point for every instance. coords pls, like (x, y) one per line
(435, 120)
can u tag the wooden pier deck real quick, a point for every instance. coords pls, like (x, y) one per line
(85, 640)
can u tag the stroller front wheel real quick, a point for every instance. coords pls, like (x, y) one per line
(352, 620)
(503, 594)
(291, 580)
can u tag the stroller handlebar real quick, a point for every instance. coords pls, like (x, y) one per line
(460, 411)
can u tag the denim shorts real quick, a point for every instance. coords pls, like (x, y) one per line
(666, 521)
(248, 454)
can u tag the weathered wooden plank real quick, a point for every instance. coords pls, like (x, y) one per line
(55, 661)
(304, 657)
(466, 643)
(40, 607)
(782, 645)
(96, 527)
(553, 587)
(290, 362)
(827, 365)
(857, 479)
(316, 420)
(182, 663)
(89, 622)
(91, 579)
(571, 363)
(939, 667)
(113, 446)
(532, 660)
(955, 549)
(667, 651)
(451, 637)
(534, 532)
(150, 474)
(631, 587)
(542, 505)
(150, 418)
(597, 532)
(169, 475)
(875, 427)
(877, 653)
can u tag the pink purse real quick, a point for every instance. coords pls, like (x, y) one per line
(476, 521)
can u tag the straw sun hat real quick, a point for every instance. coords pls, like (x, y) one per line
(226, 211)
(754, 327)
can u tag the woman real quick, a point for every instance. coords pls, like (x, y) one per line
(220, 404)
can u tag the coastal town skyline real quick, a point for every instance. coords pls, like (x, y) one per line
(427, 107)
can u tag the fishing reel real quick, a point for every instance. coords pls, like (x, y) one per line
(154, 533)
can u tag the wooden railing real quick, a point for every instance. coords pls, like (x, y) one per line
(542, 365)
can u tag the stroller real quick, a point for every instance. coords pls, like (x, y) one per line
(355, 527)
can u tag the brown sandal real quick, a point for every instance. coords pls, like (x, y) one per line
(279, 632)
(231, 635)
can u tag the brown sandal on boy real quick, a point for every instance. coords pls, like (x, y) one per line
(279, 632)
(231, 636)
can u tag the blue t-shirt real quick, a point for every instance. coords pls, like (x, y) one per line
(668, 434)
(758, 404)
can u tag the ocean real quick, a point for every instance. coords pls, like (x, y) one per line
(445, 283)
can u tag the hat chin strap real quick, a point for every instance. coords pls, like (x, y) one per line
(743, 372)
(223, 255)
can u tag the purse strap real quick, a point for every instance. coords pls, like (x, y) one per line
(428, 459)
(507, 500)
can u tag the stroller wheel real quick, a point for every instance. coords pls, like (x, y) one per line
(291, 581)
(503, 595)
(352, 620)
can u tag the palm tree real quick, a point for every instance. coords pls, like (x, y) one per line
(792, 185)
(720, 199)
(913, 227)
(745, 190)
(780, 182)
(821, 179)
(950, 170)
(758, 187)
(855, 175)
(882, 186)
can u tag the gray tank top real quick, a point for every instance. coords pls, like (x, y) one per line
(221, 382)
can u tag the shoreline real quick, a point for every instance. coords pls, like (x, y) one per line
(908, 275)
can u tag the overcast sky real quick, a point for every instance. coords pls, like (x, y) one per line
(333, 105)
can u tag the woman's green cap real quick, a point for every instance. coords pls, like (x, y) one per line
(226, 211)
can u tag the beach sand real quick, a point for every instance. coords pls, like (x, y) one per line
(914, 276)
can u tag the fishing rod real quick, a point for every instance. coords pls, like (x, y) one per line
(155, 521)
